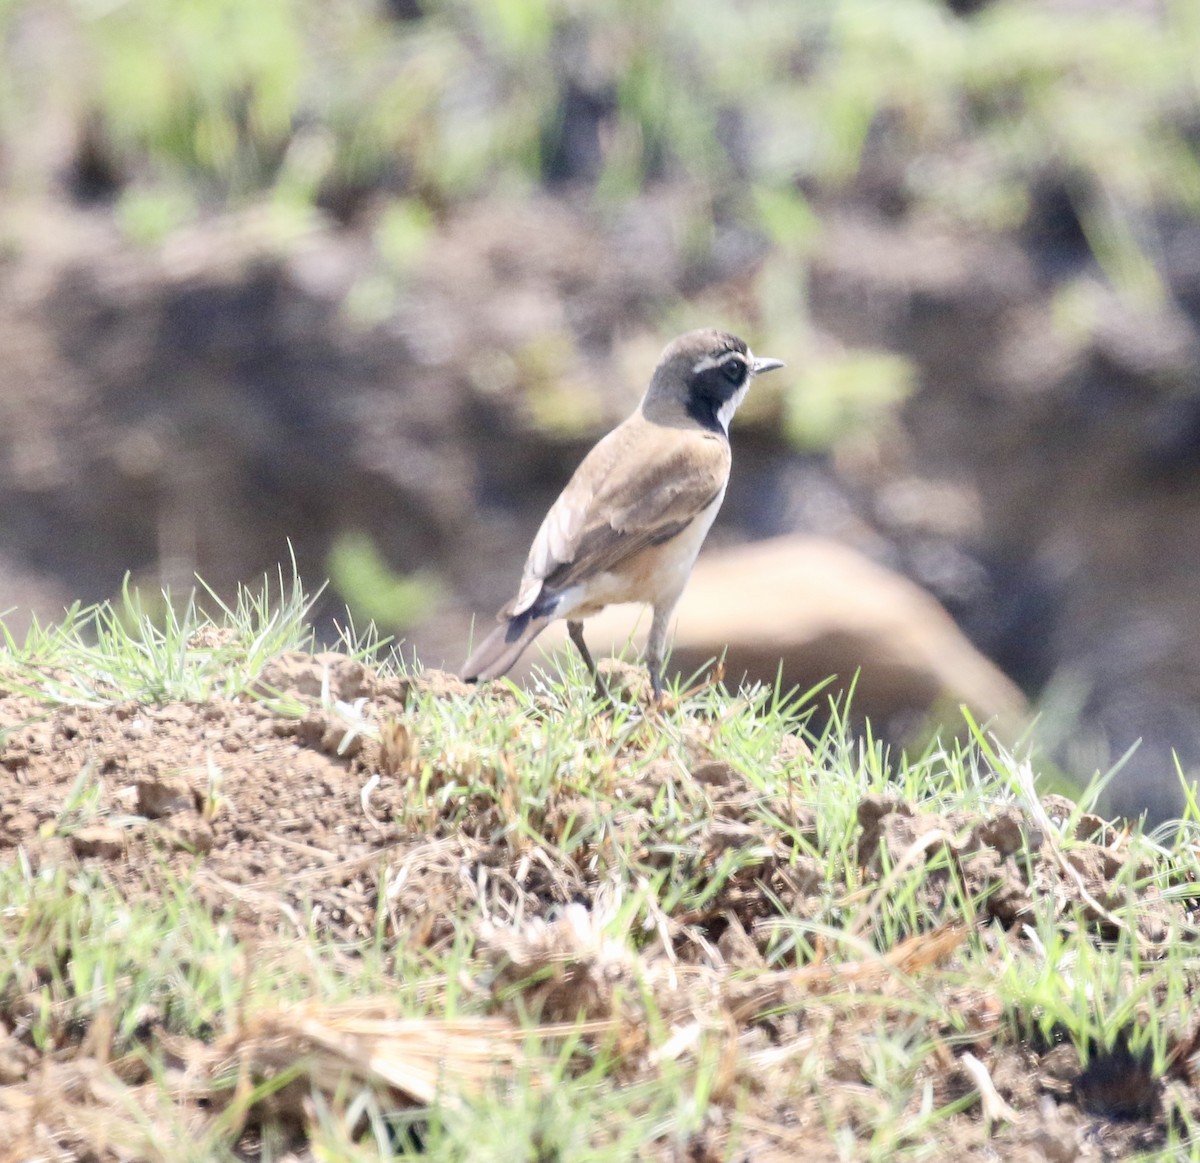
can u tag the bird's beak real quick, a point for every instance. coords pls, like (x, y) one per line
(765, 365)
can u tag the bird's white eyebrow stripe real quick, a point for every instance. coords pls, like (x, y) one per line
(711, 361)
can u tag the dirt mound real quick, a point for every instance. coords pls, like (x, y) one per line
(335, 804)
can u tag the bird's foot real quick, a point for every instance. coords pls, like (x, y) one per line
(661, 701)
(602, 694)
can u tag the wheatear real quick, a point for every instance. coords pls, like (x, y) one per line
(631, 520)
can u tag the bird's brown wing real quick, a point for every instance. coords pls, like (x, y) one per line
(641, 485)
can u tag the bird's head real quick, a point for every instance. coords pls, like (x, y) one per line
(701, 378)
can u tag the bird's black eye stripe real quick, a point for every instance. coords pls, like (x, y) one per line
(717, 378)
(734, 370)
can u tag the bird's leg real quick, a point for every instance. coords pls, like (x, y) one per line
(656, 688)
(656, 648)
(575, 630)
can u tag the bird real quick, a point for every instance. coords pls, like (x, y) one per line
(629, 523)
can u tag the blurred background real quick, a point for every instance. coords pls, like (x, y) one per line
(371, 276)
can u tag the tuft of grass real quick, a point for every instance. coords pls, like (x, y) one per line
(154, 650)
(86, 957)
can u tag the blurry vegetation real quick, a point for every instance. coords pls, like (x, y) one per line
(554, 398)
(760, 110)
(842, 394)
(402, 229)
(149, 215)
(404, 226)
(743, 100)
(373, 590)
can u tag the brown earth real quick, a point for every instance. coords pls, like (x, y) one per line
(282, 833)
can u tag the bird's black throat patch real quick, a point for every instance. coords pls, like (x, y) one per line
(712, 387)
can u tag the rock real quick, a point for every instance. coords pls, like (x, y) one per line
(1004, 831)
(893, 829)
(325, 733)
(997, 884)
(903, 836)
(164, 795)
(718, 774)
(792, 749)
(1091, 827)
(1055, 1135)
(873, 808)
(1060, 1068)
(625, 681)
(100, 840)
(738, 950)
(816, 609)
(17, 1060)
(440, 684)
(297, 673)
(1058, 808)
(1096, 864)
(190, 834)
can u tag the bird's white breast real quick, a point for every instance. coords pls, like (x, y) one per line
(679, 554)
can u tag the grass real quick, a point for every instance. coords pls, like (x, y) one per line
(657, 935)
(160, 649)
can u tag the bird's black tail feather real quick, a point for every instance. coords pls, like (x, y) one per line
(497, 653)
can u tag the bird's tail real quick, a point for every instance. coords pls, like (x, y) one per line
(496, 654)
